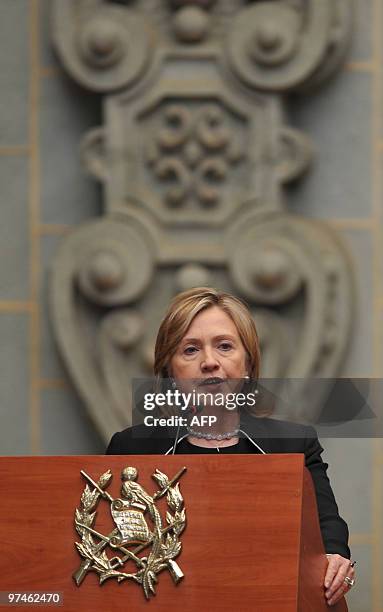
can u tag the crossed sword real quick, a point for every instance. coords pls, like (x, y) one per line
(174, 568)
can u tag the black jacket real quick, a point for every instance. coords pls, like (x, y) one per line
(272, 436)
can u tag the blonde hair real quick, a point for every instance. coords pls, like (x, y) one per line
(185, 307)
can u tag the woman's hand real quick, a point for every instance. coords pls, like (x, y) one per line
(338, 569)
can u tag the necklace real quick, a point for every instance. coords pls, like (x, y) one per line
(179, 439)
(209, 436)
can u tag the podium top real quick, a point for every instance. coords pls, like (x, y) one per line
(252, 537)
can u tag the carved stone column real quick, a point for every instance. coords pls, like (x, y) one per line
(193, 155)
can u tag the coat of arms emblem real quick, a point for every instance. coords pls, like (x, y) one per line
(138, 526)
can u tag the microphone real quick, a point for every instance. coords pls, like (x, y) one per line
(192, 410)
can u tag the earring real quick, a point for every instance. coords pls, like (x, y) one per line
(255, 392)
(173, 383)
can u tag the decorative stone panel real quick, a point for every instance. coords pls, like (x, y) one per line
(193, 155)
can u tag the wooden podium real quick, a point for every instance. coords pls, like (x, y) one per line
(252, 540)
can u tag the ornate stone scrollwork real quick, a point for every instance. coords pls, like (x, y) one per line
(92, 151)
(191, 24)
(277, 259)
(193, 156)
(192, 152)
(280, 45)
(103, 46)
(100, 272)
(295, 154)
(109, 260)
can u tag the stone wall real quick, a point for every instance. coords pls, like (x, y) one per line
(45, 193)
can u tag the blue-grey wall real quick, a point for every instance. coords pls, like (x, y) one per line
(44, 194)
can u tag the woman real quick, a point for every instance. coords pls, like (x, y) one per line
(208, 341)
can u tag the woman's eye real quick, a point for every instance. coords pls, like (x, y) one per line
(189, 350)
(226, 346)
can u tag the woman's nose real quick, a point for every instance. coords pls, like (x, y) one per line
(209, 362)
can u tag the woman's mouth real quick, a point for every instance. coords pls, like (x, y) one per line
(211, 381)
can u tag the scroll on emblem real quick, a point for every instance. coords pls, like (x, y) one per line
(138, 526)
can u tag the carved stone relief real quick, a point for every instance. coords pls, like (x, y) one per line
(193, 155)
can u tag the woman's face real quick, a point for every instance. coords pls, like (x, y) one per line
(211, 349)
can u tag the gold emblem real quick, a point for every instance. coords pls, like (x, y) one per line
(131, 534)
